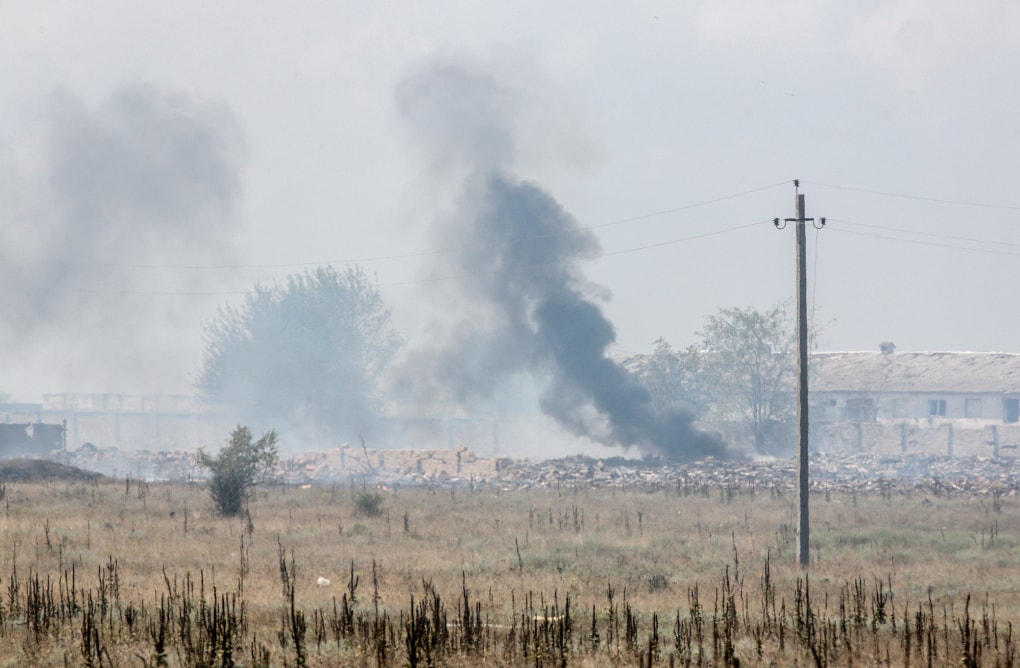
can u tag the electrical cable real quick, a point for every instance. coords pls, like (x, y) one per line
(450, 277)
(690, 206)
(990, 251)
(928, 234)
(917, 197)
(814, 277)
(405, 256)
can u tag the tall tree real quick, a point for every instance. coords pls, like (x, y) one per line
(751, 358)
(306, 354)
(677, 378)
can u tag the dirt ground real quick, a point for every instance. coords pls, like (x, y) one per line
(25, 469)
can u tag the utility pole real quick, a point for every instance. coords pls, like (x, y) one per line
(804, 525)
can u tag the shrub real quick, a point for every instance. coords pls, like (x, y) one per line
(368, 504)
(240, 466)
(657, 581)
(360, 530)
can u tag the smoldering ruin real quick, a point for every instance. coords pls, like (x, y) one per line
(460, 468)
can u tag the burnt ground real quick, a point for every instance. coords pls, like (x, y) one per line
(24, 469)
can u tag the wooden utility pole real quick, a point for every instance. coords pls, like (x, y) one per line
(804, 524)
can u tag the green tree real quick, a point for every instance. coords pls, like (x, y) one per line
(677, 378)
(750, 356)
(241, 465)
(306, 354)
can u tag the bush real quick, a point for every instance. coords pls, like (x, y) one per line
(240, 466)
(368, 504)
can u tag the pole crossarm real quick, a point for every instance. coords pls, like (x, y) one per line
(781, 223)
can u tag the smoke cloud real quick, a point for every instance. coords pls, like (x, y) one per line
(519, 304)
(114, 198)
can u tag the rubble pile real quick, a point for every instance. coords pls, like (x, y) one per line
(177, 465)
(410, 467)
(859, 473)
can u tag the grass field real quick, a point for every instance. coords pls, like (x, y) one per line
(125, 573)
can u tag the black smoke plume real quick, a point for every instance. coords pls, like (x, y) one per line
(521, 302)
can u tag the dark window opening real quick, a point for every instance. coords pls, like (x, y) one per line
(1011, 410)
(937, 407)
(860, 410)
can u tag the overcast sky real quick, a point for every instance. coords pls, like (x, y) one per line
(149, 149)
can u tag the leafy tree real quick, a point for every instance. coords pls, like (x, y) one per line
(677, 378)
(751, 358)
(240, 466)
(306, 354)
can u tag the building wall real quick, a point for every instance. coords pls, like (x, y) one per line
(950, 438)
(121, 403)
(154, 423)
(839, 406)
(136, 431)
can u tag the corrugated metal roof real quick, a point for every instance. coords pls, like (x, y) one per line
(915, 372)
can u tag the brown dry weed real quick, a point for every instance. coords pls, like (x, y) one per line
(96, 573)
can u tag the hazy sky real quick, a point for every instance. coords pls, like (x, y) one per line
(149, 150)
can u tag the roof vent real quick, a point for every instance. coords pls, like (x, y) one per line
(887, 347)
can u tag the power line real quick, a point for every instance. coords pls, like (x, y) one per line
(814, 279)
(449, 277)
(677, 241)
(428, 253)
(916, 197)
(922, 242)
(595, 256)
(406, 256)
(231, 267)
(837, 228)
(929, 234)
(690, 206)
(161, 293)
(635, 249)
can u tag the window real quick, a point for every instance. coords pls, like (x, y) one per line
(973, 408)
(936, 407)
(1011, 410)
(860, 410)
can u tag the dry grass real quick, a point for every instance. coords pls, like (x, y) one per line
(583, 577)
